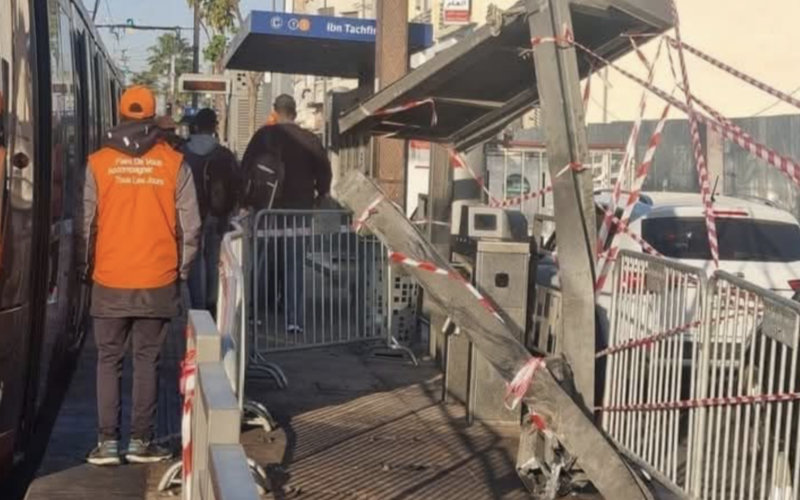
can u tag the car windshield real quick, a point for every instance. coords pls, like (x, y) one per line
(739, 239)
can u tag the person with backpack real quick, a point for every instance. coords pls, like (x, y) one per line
(217, 180)
(286, 167)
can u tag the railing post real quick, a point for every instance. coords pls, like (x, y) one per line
(204, 337)
(217, 421)
(230, 474)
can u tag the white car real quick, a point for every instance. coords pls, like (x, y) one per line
(757, 242)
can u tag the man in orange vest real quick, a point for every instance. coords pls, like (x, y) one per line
(141, 226)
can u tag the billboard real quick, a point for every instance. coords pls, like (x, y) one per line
(455, 11)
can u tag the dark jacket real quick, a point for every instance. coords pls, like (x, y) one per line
(214, 168)
(136, 143)
(307, 170)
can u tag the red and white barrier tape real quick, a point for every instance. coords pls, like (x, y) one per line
(704, 403)
(789, 166)
(563, 40)
(735, 72)
(458, 161)
(404, 260)
(367, 213)
(519, 385)
(627, 160)
(606, 258)
(187, 387)
(409, 106)
(646, 341)
(638, 50)
(646, 247)
(697, 146)
(518, 200)
(587, 91)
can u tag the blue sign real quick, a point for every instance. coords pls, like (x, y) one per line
(420, 36)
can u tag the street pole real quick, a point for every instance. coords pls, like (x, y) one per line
(391, 64)
(171, 85)
(196, 49)
(94, 11)
(605, 95)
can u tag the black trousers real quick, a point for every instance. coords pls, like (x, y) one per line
(111, 337)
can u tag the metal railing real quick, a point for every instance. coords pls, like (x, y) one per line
(315, 282)
(212, 422)
(701, 381)
(750, 444)
(545, 329)
(655, 326)
(232, 323)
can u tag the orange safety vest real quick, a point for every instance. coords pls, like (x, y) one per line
(137, 241)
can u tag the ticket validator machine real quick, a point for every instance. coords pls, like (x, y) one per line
(492, 247)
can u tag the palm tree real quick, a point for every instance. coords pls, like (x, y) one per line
(169, 48)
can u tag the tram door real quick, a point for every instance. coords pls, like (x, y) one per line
(17, 160)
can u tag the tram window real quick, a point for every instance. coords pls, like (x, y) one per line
(4, 126)
(91, 97)
(114, 98)
(98, 95)
(64, 127)
(4, 67)
(82, 104)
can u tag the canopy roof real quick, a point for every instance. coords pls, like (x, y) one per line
(486, 81)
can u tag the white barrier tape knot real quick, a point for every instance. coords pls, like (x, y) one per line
(367, 213)
(519, 385)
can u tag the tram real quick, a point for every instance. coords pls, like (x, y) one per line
(58, 95)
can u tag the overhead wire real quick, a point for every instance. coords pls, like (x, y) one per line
(776, 103)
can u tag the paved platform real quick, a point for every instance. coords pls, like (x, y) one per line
(358, 426)
(63, 473)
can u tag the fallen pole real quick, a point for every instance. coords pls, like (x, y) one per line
(498, 341)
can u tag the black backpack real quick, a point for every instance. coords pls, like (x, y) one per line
(217, 181)
(263, 180)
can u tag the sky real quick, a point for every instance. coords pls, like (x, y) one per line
(154, 12)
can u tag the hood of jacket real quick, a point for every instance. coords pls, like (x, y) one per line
(201, 144)
(134, 138)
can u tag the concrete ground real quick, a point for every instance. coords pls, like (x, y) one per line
(353, 425)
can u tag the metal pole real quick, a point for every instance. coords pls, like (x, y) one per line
(391, 64)
(605, 95)
(94, 11)
(172, 82)
(196, 49)
(558, 83)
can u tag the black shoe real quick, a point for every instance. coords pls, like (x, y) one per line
(106, 453)
(146, 452)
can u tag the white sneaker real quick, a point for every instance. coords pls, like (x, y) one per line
(294, 329)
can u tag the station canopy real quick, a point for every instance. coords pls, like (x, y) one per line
(484, 82)
(300, 44)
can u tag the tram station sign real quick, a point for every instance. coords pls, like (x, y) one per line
(331, 28)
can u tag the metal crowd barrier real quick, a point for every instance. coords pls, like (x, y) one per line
(546, 325)
(655, 327)
(212, 423)
(232, 323)
(749, 446)
(315, 282)
(701, 382)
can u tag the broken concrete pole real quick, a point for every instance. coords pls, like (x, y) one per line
(498, 342)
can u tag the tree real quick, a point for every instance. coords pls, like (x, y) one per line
(222, 18)
(146, 78)
(169, 48)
